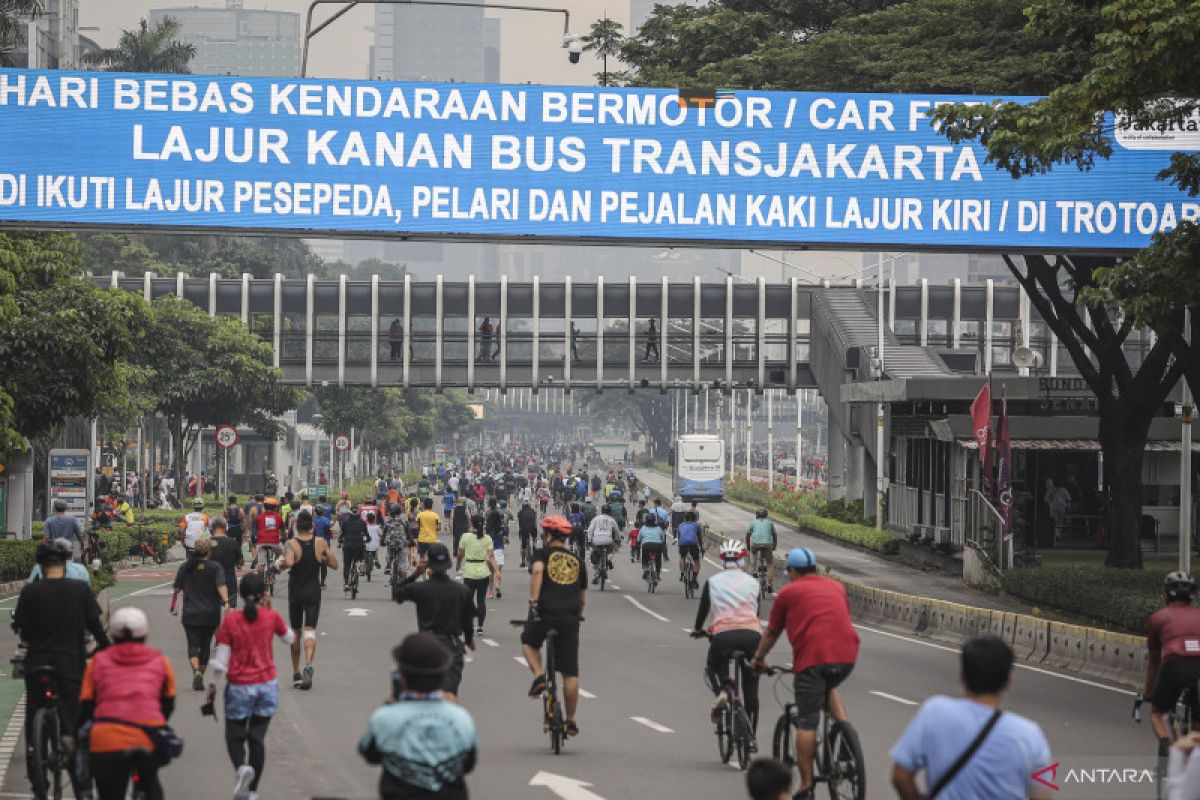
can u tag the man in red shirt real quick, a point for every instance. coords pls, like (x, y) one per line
(269, 528)
(815, 612)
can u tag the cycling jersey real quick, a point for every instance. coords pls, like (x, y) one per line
(1174, 630)
(268, 527)
(732, 596)
(193, 526)
(652, 534)
(762, 532)
(689, 534)
(602, 531)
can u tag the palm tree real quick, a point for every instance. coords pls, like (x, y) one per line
(604, 40)
(147, 49)
(12, 25)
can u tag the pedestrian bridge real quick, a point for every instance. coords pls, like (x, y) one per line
(725, 335)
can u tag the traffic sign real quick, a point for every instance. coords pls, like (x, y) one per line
(318, 491)
(341, 442)
(227, 436)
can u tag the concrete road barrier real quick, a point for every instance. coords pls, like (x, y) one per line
(1066, 646)
(1031, 637)
(1116, 656)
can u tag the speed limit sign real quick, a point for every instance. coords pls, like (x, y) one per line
(341, 442)
(227, 436)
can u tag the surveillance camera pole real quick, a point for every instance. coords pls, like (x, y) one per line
(310, 31)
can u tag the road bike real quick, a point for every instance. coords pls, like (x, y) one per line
(602, 566)
(554, 722)
(1179, 724)
(48, 757)
(396, 570)
(527, 550)
(761, 573)
(272, 572)
(352, 583)
(734, 728)
(839, 758)
(651, 572)
(689, 577)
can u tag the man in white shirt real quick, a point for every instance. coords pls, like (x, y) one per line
(603, 537)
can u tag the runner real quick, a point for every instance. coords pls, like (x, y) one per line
(303, 557)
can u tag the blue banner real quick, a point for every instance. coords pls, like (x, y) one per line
(550, 163)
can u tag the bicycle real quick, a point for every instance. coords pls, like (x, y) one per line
(271, 573)
(735, 731)
(689, 577)
(839, 758)
(352, 584)
(554, 722)
(527, 550)
(48, 757)
(651, 570)
(760, 575)
(602, 567)
(1179, 723)
(396, 571)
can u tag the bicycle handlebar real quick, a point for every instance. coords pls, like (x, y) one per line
(778, 670)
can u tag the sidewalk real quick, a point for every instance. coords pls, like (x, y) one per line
(847, 562)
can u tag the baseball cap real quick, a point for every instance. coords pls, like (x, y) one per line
(438, 557)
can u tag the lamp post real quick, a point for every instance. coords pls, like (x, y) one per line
(571, 42)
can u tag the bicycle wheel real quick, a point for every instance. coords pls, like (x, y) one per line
(741, 735)
(688, 576)
(554, 722)
(781, 743)
(603, 576)
(725, 734)
(45, 767)
(844, 758)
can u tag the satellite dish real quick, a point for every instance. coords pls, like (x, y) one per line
(1026, 357)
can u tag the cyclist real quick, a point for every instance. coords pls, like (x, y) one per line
(269, 527)
(814, 610)
(652, 540)
(603, 536)
(354, 546)
(193, 526)
(690, 539)
(234, 519)
(323, 529)
(763, 541)
(732, 597)
(128, 687)
(1173, 642)
(578, 529)
(52, 617)
(617, 504)
(543, 499)
(303, 556)
(374, 538)
(557, 594)
(425, 743)
(678, 509)
(526, 526)
(395, 539)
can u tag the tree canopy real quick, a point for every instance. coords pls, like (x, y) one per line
(147, 49)
(12, 28)
(391, 420)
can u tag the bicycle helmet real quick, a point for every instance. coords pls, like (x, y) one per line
(271, 502)
(801, 558)
(761, 513)
(197, 504)
(616, 494)
(557, 526)
(128, 622)
(732, 550)
(1179, 586)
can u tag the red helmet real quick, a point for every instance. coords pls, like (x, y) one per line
(556, 524)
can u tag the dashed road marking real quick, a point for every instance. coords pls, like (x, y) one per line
(652, 725)
(894, 698)
(521, 660)
(489, 642)
(638, 605)
(8, 744)
(587, 694)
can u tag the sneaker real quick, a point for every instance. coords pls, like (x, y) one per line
(241, 787)
(198, 681)
(497, 594)
(297, 681)
(479, 631)
(538, 686)
(306, 680)
(718, 707)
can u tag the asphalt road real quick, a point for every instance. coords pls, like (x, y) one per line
(644, 723)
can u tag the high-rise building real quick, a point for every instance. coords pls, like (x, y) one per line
(238, 41)
(426, 43)
(50, 40)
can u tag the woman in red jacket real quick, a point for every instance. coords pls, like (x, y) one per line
(127, 687)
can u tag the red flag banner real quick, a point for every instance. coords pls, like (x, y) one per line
(1004, 452)
(981, 416)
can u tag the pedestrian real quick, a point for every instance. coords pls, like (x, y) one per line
(651, 341)
(235, 519)
(497, 528)
(374, 538)
(476, 550)
(460, 522)
(444, 610)
(245, 659)
(425, 743)
(201, 581)
(574, 342)
(396, 339)
(323, 528)
(61, 525)
(303, 556)
(127, 688)
(227, 552)
(485, 339)
(968, 747)
(767, 779)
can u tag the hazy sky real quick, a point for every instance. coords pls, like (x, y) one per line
(530, 47)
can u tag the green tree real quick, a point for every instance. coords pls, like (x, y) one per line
(204, 371)
(63, 342)
(13, 14)
(604, 40)
(166, 254)
(647, 412)
(392, 420)
(147, 49)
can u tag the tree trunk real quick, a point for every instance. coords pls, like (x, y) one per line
(1123, 443)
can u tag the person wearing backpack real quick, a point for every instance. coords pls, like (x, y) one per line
(233, 520)
(1003, 750)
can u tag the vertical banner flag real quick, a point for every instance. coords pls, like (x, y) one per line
(1004, 451)
(981, 417)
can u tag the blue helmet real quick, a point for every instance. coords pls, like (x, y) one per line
(616, 494)
(801, 558)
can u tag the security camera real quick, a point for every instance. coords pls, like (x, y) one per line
(573, 46)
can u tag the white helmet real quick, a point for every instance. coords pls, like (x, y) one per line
(128, 622)
(732, 550)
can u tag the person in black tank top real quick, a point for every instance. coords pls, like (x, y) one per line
(303, 556)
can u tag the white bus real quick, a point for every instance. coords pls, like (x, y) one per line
(699, 467)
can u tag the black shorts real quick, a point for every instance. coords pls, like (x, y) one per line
(454, 674)
(694, 549)
(1174, 676)
(303, 612)
(810, 686)
(423, 548)
(566, 642)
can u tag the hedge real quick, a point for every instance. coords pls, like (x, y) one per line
(785, 503)
(1121, 598)
(17, 557)
(861, 535)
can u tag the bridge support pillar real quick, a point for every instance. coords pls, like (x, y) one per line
(855, 470)
(870, 487)
(837, 462)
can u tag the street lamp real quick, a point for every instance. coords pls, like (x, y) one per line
(570, 42)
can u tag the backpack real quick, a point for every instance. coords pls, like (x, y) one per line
(234, 517)
(495, 520)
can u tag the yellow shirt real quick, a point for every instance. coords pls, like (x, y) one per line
(428, 522)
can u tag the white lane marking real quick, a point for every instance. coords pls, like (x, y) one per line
(715, 564)
(654, 614)
(894, 698)
(147, 590)
(357, 612)
(489, 642)
(565, 788)
(521, 660)
(11, 734)
(652, 725)
(613, 585)
(587, 694)
(1052, 674)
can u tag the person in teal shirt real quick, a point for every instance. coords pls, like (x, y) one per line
(763, 541)
(74, 569)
